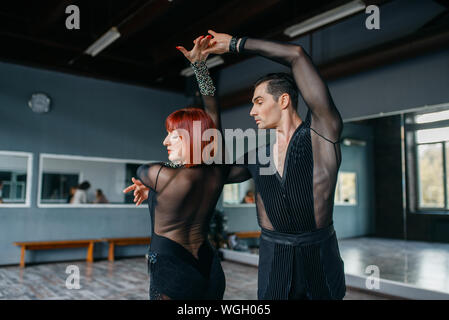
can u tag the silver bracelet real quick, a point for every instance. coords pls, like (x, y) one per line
(205, 82)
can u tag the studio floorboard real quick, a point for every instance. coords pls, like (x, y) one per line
(122, 279)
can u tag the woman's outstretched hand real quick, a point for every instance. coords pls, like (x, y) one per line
(140, 191)
(198, 51)
(220, 42)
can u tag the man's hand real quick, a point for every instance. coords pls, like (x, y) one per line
(198, 51)
(140, 191)
(220, 43)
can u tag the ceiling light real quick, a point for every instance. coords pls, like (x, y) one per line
(325, 18)
(104, 41)
(210, 63)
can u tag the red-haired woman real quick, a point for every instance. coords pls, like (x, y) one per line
(182, 195)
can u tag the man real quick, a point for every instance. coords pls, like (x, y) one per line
(299, 256)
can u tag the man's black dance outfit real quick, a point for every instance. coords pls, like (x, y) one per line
(299, 256)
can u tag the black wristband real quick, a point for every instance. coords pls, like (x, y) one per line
(242, 44)
(233, 45)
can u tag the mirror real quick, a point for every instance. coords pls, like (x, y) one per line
(85, 181)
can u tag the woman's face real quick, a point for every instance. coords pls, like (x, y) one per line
(175, 147)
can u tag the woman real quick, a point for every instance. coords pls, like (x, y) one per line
(100, 197)
(80, 196)
(182, 196)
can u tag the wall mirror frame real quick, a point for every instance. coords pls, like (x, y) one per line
(116, 183)
(15, 185)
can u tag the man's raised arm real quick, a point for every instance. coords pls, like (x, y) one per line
(311, 86)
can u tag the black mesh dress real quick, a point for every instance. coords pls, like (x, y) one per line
(182, 263)
(299, 255)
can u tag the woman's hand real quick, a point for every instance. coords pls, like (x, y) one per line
(140, 191)
(220, 41)
(198, 51)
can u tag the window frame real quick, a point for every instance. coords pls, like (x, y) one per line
(413, 128)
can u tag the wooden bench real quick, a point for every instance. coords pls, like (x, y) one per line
(124, 242)
(60, 244)
(247, 234)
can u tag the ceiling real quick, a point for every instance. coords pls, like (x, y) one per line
(34, 33)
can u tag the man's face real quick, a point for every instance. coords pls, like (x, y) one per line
(265, 111)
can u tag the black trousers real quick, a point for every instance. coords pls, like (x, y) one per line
(177, 275)
(300, 266)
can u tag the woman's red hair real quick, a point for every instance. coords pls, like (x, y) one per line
(183, 119)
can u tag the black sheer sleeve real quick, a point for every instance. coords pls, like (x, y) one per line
(154, 175)
(238, 173)
(325, 116)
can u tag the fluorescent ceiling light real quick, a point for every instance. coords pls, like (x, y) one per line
(104, 41)
(210, 63)
(325, 18)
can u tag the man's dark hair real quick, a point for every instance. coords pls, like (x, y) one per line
(278, 84)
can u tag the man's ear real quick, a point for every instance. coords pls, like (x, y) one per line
(284, 101)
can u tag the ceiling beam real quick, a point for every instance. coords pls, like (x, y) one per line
(145, 15)
(240, 11)
(57, 54)
(443, 3)
(276, 33)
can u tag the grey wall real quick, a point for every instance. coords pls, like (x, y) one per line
(358, 220)
(409, 84)
(89, 118)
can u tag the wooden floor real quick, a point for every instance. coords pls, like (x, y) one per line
(122, 279)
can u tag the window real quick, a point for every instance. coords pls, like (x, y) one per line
(346, 189)
(76, 181)
(429, 133)
(15, 178)
(430, 173)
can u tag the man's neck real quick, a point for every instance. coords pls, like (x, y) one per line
(287, 126)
